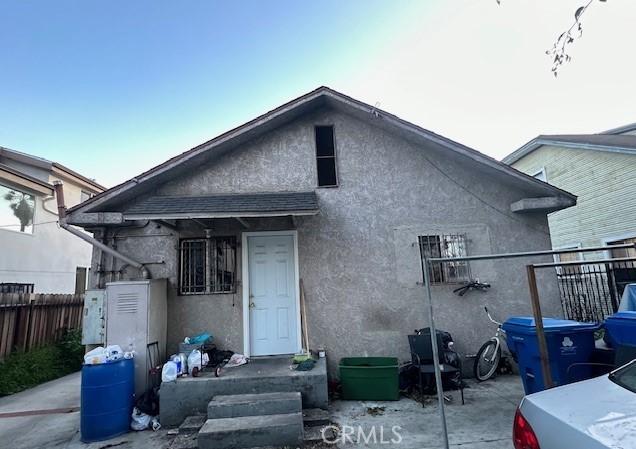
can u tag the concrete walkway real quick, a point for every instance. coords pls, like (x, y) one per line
(484, 422)
(37, 425)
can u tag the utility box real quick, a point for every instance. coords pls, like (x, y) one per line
(137, 317)
(93, 321)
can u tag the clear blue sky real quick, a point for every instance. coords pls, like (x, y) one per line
(112, 88)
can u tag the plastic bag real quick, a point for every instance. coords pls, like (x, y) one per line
(95, 356)
(200, 339)
(113, 353)
(169, 372)
(139, 420)
(236, 360)
(194, 361)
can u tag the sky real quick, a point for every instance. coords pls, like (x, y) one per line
(112, 88)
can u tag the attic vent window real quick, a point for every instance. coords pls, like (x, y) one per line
(326, 157)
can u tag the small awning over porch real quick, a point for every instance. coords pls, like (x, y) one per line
(277, 204)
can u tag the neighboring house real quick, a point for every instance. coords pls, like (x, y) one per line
(338, 194)
(599, 169)
(36, 255)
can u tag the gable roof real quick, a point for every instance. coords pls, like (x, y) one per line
(621, 129)
(321, 97)
(615, 143)
(55, 167)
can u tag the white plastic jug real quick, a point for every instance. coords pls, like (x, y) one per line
(194, 361)
(169, 372)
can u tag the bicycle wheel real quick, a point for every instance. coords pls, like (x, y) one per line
(487, 361)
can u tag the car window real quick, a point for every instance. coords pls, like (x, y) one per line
(625, 376)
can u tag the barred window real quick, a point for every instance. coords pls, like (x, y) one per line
(446, 245)
(207, 265)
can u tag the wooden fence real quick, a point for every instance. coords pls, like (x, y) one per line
(29, 320)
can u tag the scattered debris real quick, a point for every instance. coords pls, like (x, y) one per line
(113, 444)
(375, 411)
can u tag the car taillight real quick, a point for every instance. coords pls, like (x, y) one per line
(522, 434)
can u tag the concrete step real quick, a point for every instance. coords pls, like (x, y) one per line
(192, 424)
(237, 405)
(314, 417)
(321, 434)
(252, 431)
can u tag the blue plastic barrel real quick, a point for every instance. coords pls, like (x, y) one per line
(621, 329)
(108, 394)
(569, 343)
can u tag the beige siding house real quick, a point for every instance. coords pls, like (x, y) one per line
(598, 168)
(36, 255)
(601, 170)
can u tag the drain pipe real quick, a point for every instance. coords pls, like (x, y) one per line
(61, 211)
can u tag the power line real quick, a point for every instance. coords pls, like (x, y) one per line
(481, 200)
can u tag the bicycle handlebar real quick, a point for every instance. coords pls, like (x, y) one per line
(491, 318)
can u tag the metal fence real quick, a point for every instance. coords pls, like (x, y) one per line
(30, 320)
(590, 293)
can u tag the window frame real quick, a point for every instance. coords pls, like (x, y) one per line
(439, 271)
(232, 240)
(577, 272)
(334, 157)
(22, 190)
(543, 172)
(87, 193)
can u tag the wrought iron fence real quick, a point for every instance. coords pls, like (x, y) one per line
(590, 293)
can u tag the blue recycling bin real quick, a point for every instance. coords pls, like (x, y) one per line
(620, 329)
(108, 395)
(568, 342)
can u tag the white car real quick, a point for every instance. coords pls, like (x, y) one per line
(599, 413)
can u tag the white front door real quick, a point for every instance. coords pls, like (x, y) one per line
(273, 310)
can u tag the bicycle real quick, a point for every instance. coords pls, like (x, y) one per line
(489, 357)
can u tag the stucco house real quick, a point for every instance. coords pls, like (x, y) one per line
(599, 169)
(341, 195)
(35, 254)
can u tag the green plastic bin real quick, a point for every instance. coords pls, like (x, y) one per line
(370, 378)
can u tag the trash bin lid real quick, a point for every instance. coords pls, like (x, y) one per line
(623, 316)
(526, 325)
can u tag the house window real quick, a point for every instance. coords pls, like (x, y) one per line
(446, 245)
(85, 196)
(540, 175)
(622, 252)
(207, 266)
(16, 210)
(326, 157)
(13, 287)
(569, 257)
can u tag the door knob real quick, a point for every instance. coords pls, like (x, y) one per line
(252, 305)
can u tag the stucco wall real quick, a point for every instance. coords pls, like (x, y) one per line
(358, 258)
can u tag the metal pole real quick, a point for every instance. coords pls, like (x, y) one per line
(438, 373)
(547, 252)
(538, 322)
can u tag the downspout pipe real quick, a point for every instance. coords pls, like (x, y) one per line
(61, 210)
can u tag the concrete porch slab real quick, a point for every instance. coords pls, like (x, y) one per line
(191, 395)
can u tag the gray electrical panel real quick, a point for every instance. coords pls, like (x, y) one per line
(93, 321)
